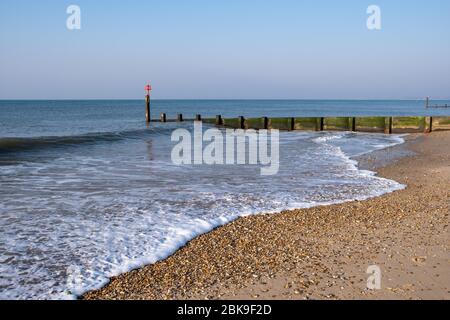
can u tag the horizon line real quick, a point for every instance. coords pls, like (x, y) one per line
(224, 99)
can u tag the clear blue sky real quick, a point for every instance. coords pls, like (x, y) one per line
(225, 49)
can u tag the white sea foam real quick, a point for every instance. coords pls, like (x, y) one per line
(70, 222)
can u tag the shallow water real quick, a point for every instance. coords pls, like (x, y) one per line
(78, 208)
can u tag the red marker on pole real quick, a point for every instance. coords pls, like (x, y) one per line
(148, 88)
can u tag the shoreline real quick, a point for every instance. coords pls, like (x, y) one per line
(316, 252)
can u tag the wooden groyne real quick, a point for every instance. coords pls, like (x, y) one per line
(436, 106)
(356, 124)
(386, 125)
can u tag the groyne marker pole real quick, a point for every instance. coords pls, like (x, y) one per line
(148, 88)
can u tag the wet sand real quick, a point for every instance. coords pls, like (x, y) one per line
(322, 252)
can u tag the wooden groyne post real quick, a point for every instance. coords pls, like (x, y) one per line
(388, 125)
(428, 124)
(219, 121)
(148, 88)
(291, 124)
(320, 124)
(241, 122)
(352, 124)
(265, 122)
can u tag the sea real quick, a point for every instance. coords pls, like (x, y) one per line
(89, 191)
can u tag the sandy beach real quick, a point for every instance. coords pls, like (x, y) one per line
(322, 252)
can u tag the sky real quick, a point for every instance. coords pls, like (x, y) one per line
(229, 49)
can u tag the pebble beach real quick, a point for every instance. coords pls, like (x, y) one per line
(322, 252)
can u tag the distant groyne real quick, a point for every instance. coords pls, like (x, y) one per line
(357, 124)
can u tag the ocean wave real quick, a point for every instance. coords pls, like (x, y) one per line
(14, 144)
(69, 224)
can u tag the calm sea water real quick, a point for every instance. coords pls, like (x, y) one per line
(88, 191)
(56, 118)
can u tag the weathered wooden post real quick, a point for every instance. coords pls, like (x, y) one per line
(163, 117)
(265, 122)
(241, 122)
(148, 88)
(219, 121)
(388, 125)
(320, 124)
(352, 124)
(180, 117)
(428, 124)
(291, 123)
(198, 117)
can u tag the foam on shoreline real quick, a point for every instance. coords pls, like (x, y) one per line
(124, 224)
(201, 227)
